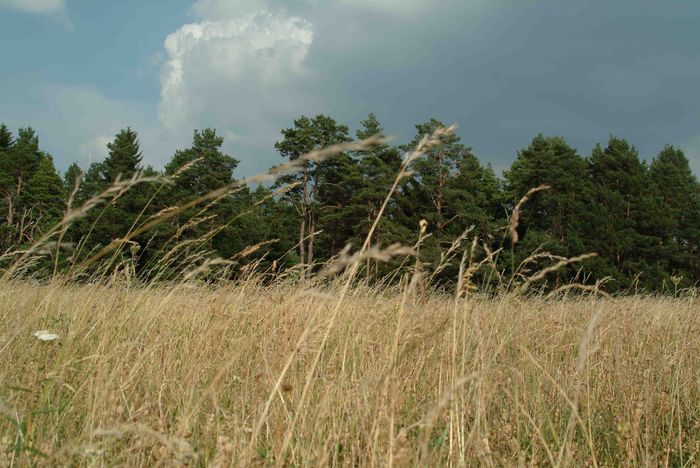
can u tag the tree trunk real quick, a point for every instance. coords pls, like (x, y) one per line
(302, 223)
(310, 250)
(302, 229)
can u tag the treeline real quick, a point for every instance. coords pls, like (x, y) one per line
(642, 219)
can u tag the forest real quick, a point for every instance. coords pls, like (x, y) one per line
(641, 218)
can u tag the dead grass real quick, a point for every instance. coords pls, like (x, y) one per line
(182, 375)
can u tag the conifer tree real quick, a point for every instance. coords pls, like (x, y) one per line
(19, 159)
(679, 191)
(450, 189)
(557, 211)
(116, 218)
(72, 176)
(309, 134)
(378, 167)
(44, 193)
(5, 138)
(7, 188)
(212, 170)
(24, 157)
(124, 156)
(629, 217)
(7, 185)
(555, 219)
(209, 169)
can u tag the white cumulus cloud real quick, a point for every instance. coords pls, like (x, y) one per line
(35, 6)
(237, 75)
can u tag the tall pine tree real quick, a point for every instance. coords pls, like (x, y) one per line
(628, 216)
(315, 179)
(378, 167)
(44, 193)
(450, 189)
(555, 219)
(209, 169)
(679, 193)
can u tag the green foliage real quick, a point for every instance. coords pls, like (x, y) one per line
(679, 193)
(555, 219)
(71, 177)
(212, 169)
(629, 216)
(20, 159)
(560, 211)
(319, 186)
(451, 190)
(124, 158)
(642, 220)
(44, 191)
(376, 170)
(119, 215)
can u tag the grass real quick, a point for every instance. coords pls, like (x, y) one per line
(215, 377)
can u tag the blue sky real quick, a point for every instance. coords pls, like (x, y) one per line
(503, 70)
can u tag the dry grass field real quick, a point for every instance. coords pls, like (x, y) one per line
(99, 367)
(247, 374)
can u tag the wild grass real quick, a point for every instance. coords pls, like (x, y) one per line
(219, 377)
(321, 369)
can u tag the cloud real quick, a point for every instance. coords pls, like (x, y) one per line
(248, 67)
(35, 6)
(238, 75)
(254, 55)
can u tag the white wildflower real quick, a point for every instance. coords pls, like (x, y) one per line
(45, 335)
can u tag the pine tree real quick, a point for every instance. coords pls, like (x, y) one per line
(209, 169)
(628, 217)
(94, 182)
(679, 193)
(72, 176)
(212, 169)
(6, 139)
(24, 157)
(44, 193)
(7, 188)
(450, 189)
(310, 194)
(555, 219)
(19, 159)
(115, 219)
(378, 167)
(430, 186)
(124, 156)
(557, 211)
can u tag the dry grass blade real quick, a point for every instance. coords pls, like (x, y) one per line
(551, 269)
(515, 216)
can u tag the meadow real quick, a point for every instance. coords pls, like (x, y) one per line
(253, 374)
(228, 364)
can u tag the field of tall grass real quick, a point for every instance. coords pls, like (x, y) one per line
(280, 374)
(323, 369)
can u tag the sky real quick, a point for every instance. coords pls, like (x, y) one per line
(78, 71)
